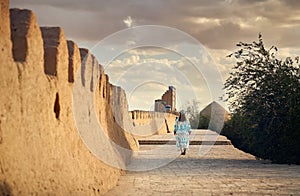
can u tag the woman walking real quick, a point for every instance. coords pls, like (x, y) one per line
(182, 130)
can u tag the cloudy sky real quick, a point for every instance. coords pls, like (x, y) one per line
(145, 72)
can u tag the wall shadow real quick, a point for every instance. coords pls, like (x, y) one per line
(5, 189)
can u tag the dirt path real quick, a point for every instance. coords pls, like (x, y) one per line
(222, 170)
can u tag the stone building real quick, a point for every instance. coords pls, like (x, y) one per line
(170, 97)
(168, 100)
(213, 117)
(160, 105)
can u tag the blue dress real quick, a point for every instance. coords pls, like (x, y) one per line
(182, 130)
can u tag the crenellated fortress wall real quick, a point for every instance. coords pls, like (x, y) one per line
(147, 123)
(41, 150)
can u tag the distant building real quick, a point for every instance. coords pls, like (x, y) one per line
(170, 97)
(167, 101)
(160, 105)
(168, 108)
(219, 114)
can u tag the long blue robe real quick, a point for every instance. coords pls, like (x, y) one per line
(182, 130)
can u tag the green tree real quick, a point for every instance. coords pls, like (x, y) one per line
(192, 111)
(263, 92)
(203, 122)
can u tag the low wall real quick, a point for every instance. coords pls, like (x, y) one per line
(148, 123)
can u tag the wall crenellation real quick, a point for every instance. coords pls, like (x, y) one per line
(51, 36)
(73, 52)
(20, 26)
(41, 151)
(148, 123)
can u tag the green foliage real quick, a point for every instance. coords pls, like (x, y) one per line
(194, 121)
(264, 95)
(192, 110)
(203, 122)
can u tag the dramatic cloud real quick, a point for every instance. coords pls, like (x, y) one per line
(128, 21)
(145, 73)
(218, 24)
(146, 76)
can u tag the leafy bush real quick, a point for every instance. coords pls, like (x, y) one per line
(264, 95)
(203, 122)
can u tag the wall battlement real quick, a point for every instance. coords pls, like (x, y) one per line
(41, 151)
(147, 123)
